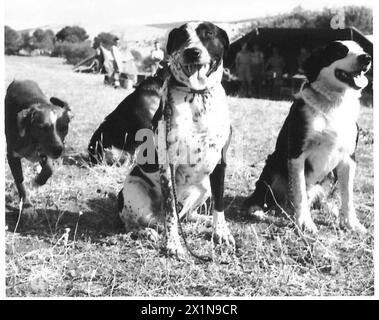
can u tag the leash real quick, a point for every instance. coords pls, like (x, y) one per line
(167, 116)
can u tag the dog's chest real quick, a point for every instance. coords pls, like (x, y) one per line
(331, 138)
(199, 129)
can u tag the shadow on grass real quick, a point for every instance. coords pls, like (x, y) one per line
(235, 211)
(110, 159)
(100, 220)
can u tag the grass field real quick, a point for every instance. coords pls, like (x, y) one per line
(76, 246)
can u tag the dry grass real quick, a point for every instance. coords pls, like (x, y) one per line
(77, 247)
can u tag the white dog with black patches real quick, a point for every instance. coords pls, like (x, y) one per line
(319, 136)
(193, 149)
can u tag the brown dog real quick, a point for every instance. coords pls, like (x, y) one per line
(35, 129)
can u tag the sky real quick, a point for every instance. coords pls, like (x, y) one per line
(22, 14)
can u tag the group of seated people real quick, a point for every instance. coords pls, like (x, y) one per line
(256, 73)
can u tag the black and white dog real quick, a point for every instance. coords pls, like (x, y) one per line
(319, 136)
(135, 112)
(119, 127)
(195, 133)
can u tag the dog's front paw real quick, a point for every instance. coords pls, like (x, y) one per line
(223, 235)
(175, 249)
(307, 224)
(221, 232)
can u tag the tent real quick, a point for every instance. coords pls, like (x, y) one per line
(290, 40)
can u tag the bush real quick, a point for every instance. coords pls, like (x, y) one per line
(43, 40)
(40, 40)
(12, 41)
(74, 52)
(105, 38)
(359, 17)
(72, 34)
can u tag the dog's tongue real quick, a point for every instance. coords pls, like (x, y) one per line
(360, 80)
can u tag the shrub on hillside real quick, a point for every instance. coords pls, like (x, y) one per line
(73, 52)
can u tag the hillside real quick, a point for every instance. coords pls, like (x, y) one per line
(141, 33)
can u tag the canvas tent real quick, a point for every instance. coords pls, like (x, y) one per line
(290, 40)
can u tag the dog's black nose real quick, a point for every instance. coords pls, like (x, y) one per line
(192, 54)
(364, 59)
(57, 151)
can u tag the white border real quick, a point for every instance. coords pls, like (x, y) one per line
(2, 203)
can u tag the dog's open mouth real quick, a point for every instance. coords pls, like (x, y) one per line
(194, 68)
(356, 79)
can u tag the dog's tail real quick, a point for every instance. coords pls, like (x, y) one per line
(97, 144)
(258, 198)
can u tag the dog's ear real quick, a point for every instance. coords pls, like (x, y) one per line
(58, 102)
(23, 118)
(313, 64)
(172, 38)
(224, 38)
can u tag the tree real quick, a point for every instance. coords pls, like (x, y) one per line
(104, 38)
(27, 43)
(42, 39)
(359, 17)
(12, 41)
(323, 19)
(72, 34)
